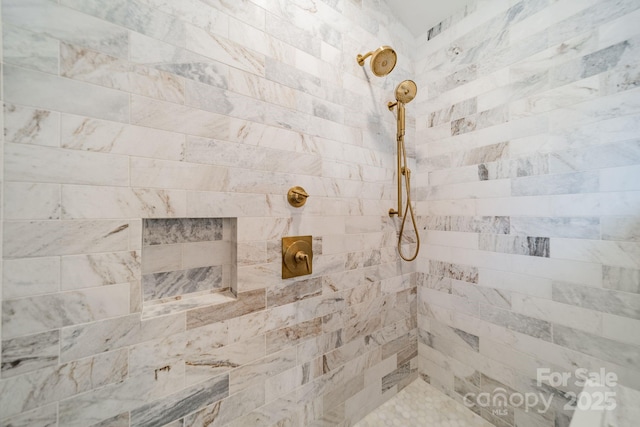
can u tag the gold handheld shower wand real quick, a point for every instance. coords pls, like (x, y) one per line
(405, 92)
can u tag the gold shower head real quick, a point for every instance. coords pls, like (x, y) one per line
(383, 60)
(406, 91)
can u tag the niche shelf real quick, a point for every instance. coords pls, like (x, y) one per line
(187, 263)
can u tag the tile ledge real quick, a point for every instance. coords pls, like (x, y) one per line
(184, 304)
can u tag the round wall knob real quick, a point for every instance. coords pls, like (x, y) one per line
(297, 196)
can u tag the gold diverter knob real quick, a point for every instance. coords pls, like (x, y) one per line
(297, 196)
(297, 256)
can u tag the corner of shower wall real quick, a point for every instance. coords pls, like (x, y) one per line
(530, 270)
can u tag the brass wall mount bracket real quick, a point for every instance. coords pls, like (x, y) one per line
(297, 256)
(297, 197)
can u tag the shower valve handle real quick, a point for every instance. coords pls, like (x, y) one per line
(302, 256)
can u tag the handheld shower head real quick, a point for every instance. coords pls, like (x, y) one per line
(406, 91)
(383, 60)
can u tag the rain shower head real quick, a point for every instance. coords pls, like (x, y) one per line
(406, 91)
(383, 60)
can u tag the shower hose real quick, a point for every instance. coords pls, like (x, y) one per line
(408, 209)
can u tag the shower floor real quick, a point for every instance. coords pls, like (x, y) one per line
(419, 404)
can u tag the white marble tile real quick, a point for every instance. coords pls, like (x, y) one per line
(159, 258)
(620, 179)
(258, 87)
(44, 416)
(51, 384)
(30, 50)
(47, 18)
(563, 314)
(178, 118)
(24, 200)
(176, 60)
(88, 202)
(136, 16)
(81, 341)
(30, 353)
(86, 271)
(148, 173)
(224, 50)
(56, 93)
(30, 315)
(24, 125)
(210, 203)
(83, 133)
(619, 254)
(620, 328)
(30, 163)
(93, 67)
(47, 238)
(30, 276)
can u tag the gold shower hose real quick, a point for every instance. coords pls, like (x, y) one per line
(407, 180)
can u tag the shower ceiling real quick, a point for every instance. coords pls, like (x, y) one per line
(421, 15)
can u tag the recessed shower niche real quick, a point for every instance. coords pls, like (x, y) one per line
(187, 263)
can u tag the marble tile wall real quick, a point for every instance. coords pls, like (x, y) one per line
(121, 111)
(528, 169)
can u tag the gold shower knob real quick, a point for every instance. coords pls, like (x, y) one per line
(297, 197)
(297, 256)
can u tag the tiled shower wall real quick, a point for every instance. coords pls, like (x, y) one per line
(120, 110)
(528, 188)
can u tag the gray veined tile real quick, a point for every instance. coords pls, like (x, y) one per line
(623, 153)
(464, 273)
(44, 416)
(464, 125)
(38, 388)
(181, 282)
(176, 60)
(603, 300)
(224, 411)
(181, 230)
(621, 354)
(569, 183)
(620, 279)
(569, 227)
(483, 294)
(516, 322)
(29, 315)
(256, 372)
(245, 303)
(97, 337)
(178, 405)
(30, 50)
(486, 154)
(473, 224)
(30, 353)
(621, 228)
(519, 245)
